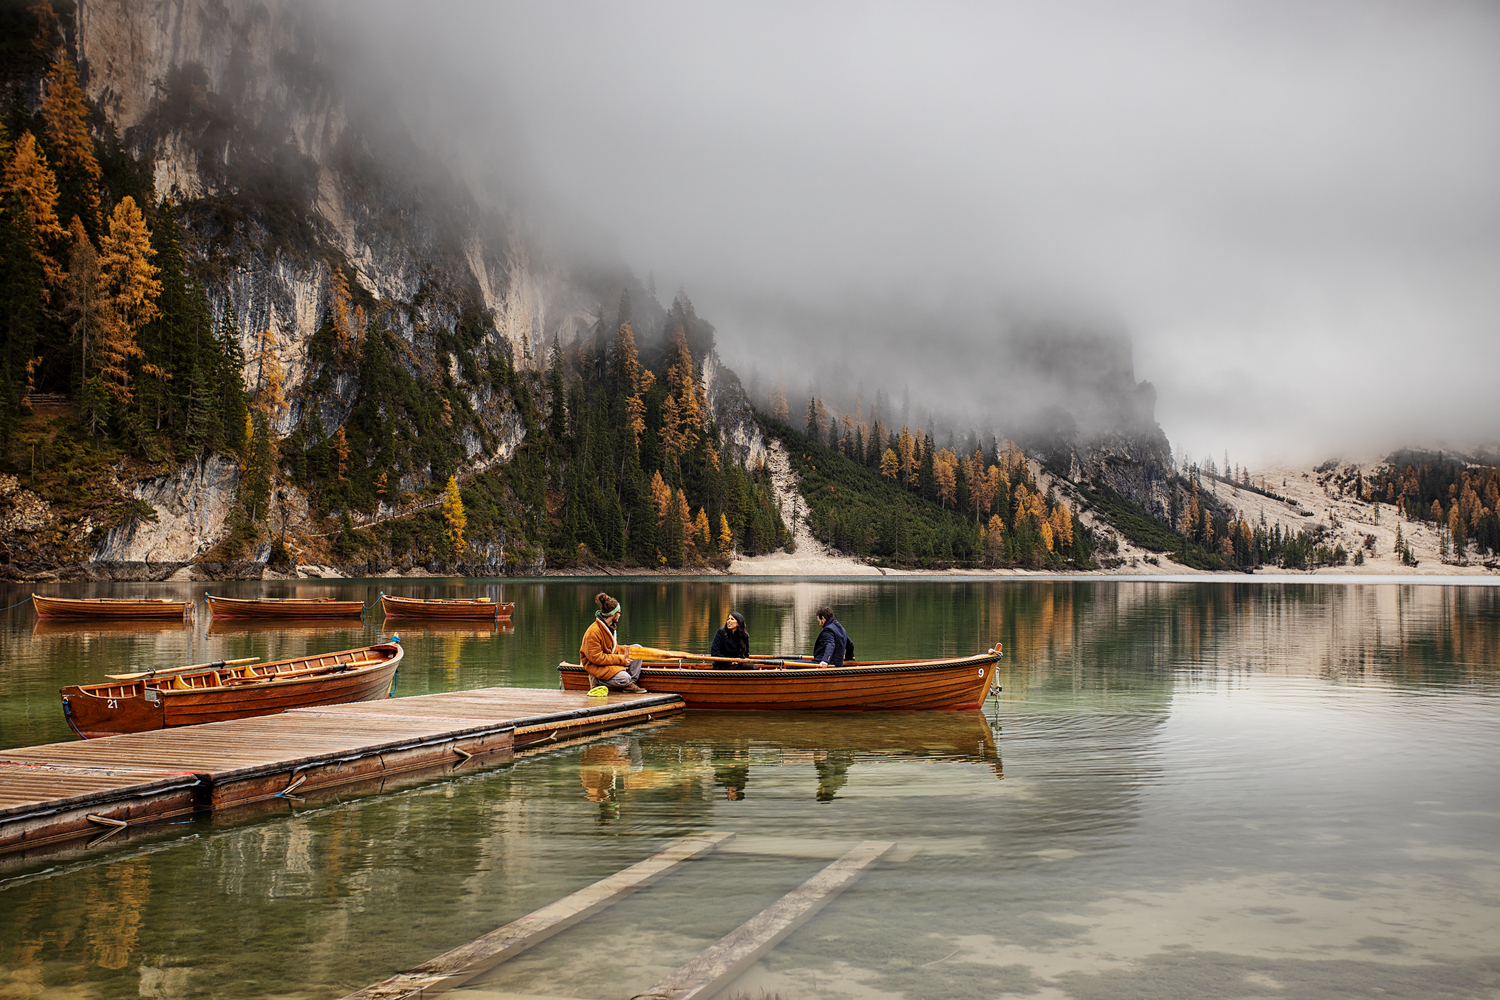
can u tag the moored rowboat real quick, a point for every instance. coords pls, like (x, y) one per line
(452, 609)
(108, 607)
(214, 692)
(283, 607)
(954, 683)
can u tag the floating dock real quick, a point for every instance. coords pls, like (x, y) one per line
(60, 793)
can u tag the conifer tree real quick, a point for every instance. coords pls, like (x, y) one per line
(129, 286)
(454, 519)
(22, 285)
(726, 537)
(69, 135)
(29, 180)
(229, 381)
(702, 538)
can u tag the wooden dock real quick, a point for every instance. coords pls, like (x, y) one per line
(60, 793)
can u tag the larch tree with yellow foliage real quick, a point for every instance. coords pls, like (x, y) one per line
(30, 181)
(454, 518)
(71, 138)
(128, 287)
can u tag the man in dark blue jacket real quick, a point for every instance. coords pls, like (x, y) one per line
(833, 645)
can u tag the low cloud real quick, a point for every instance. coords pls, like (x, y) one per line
(1291, 210)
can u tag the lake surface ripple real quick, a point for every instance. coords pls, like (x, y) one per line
(1184, 790)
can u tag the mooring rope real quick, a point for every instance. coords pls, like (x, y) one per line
(17, 605)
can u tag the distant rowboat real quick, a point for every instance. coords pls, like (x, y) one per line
(450, 609)
(214, 692)
(950, 683)
(109, 607)
(283, 607)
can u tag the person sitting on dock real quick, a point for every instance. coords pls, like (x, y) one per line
(731, 641)
(834, 645)
(599, 652)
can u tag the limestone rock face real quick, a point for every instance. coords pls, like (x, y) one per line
(1078, 407)
(284, 173)
(192, 508)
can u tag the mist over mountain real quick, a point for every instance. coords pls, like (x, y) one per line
(506, 250)
(1290, 211)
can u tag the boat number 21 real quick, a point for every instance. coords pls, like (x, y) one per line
(112, 703)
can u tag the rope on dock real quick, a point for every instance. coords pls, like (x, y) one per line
(15, 605)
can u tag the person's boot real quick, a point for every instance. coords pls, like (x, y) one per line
(635, 689)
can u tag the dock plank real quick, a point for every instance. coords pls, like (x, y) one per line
(456, 967)
(721, 962)
(226, 764)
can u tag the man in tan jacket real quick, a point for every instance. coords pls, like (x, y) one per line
(599, 653)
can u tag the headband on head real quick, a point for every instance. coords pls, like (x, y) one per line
(601, 615)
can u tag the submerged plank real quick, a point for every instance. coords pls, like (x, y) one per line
(456, 967)
(732, 954)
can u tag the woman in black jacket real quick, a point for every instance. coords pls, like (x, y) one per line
(731, 640)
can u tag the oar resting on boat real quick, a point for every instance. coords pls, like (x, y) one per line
(652, 653)
(214, 665)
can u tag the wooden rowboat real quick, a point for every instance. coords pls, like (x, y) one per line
(449, 609)
(283, 607)
(214, 692)
(109, 607)
(955, 683)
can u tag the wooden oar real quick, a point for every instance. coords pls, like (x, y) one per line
(651, 653)
(178, 670)
(325, 668)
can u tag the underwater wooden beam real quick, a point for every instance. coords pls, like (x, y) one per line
(456, 967)
(717, 965)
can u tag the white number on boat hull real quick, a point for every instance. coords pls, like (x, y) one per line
(113, 703)
(981, 671)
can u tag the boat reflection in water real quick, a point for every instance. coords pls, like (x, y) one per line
(112, 628)
(720, 750)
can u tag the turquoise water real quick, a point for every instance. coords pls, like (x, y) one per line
(1185, 789)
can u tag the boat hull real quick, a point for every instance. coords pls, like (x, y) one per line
(411, 607)
(229, 608)
(222, 693)
(76, 608)
(901, 685)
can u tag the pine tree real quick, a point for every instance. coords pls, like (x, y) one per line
(22, 287)
(229, 379)
(69, 135)
(890, 465)
(702, 537)
(129, 285)
(31, 182)
(454, 519)
(726, 537)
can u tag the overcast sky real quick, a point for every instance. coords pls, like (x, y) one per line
(1292, 208)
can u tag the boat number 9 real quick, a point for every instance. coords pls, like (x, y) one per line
(981, 673)
(112, 703)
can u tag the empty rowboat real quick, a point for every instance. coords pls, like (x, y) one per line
(57, 608)
(223, 608)
(235, 689)
(446, 609)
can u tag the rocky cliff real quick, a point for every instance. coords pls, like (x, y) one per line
(288, 180)
(1077, 406)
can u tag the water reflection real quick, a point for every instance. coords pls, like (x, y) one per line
(1278, 782)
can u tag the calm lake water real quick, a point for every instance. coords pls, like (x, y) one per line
(1232, 789)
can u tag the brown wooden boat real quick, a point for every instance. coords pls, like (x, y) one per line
(109, 607)
(955, 683)
(448, 609)
(235, 689)
(283, 607)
